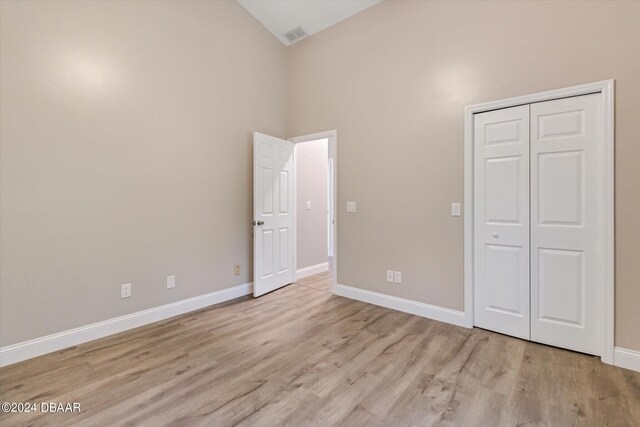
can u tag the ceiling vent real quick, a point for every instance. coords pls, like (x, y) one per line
(296, 34)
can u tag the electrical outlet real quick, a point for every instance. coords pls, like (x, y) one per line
(171, 282)
(397, 277)
(125, 290)
(351, 206)
(390, 276)
(236, 270)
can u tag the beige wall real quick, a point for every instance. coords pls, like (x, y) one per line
(394, 80)
(126, 154)
(311, 185)
(125, 141)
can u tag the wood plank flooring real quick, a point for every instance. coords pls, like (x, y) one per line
(300, 356)
(322, 281)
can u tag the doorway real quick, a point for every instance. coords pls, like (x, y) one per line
(315, 194)
(275, 209)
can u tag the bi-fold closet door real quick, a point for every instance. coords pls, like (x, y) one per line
(538, 267)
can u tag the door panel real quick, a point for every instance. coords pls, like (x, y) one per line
(284, 250)
(284, 193)
(501, 221)
(502, 190)
(560, 195)
(502, 271)
(267, 194)
(566, 222)
(267, 252)
(561, 286)
(273, 220)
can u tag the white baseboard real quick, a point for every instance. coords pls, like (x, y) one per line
(429, 311)
(625, 358)
(314, 269)
(36, 347)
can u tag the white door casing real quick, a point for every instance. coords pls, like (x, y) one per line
(330, 207)
(273, 213)
(501, 221)
(567, 226)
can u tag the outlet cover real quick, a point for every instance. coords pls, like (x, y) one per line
(390, 276)
(236, 270)
(171, 282)
(125, 290)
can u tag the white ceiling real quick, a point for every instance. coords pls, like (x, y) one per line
(281, 16)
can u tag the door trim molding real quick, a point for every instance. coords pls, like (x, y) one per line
(332, 136)
(606, 88)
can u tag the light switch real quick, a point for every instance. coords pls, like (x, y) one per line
(397, 277)
(308, 205)
(455, 209)
(351, 206)
(171, 282)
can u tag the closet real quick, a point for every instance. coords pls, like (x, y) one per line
(538, 263)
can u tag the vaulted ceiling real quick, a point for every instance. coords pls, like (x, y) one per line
(283, 16)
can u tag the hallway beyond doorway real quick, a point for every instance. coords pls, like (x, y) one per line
(321, 281)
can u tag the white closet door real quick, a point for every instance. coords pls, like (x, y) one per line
(501, 221)
(566, 222)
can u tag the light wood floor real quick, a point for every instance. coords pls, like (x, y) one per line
(304, 357)
(322, 282)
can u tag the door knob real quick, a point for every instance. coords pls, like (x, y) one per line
(258, 223)
(494, 234)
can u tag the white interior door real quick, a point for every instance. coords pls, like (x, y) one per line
(501, 221)
(567, 271)
(273, 213)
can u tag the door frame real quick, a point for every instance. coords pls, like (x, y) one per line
(331, 211)
(606, 88)
(332, 146)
